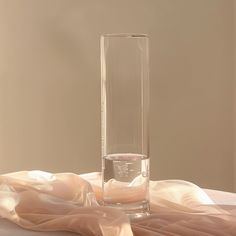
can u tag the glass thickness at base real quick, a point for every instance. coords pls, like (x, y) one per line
(133, 210)
(126, 183)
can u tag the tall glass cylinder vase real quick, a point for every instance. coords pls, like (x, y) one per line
(124, 105)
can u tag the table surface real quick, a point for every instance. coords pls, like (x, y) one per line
(8, 229)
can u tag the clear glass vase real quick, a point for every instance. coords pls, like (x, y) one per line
(124, 107)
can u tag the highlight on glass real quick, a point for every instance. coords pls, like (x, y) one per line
(124, 115)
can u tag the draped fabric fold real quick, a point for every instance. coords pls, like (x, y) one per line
(42, 201)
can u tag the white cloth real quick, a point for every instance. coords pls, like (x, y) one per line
(42, 201)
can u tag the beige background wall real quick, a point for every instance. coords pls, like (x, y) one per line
(50, 84)
(234, 94)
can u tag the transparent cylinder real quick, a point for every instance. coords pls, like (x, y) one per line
(124, 107)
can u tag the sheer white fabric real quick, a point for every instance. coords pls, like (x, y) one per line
(43, 201)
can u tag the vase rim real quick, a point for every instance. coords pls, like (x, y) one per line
(125, 35)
